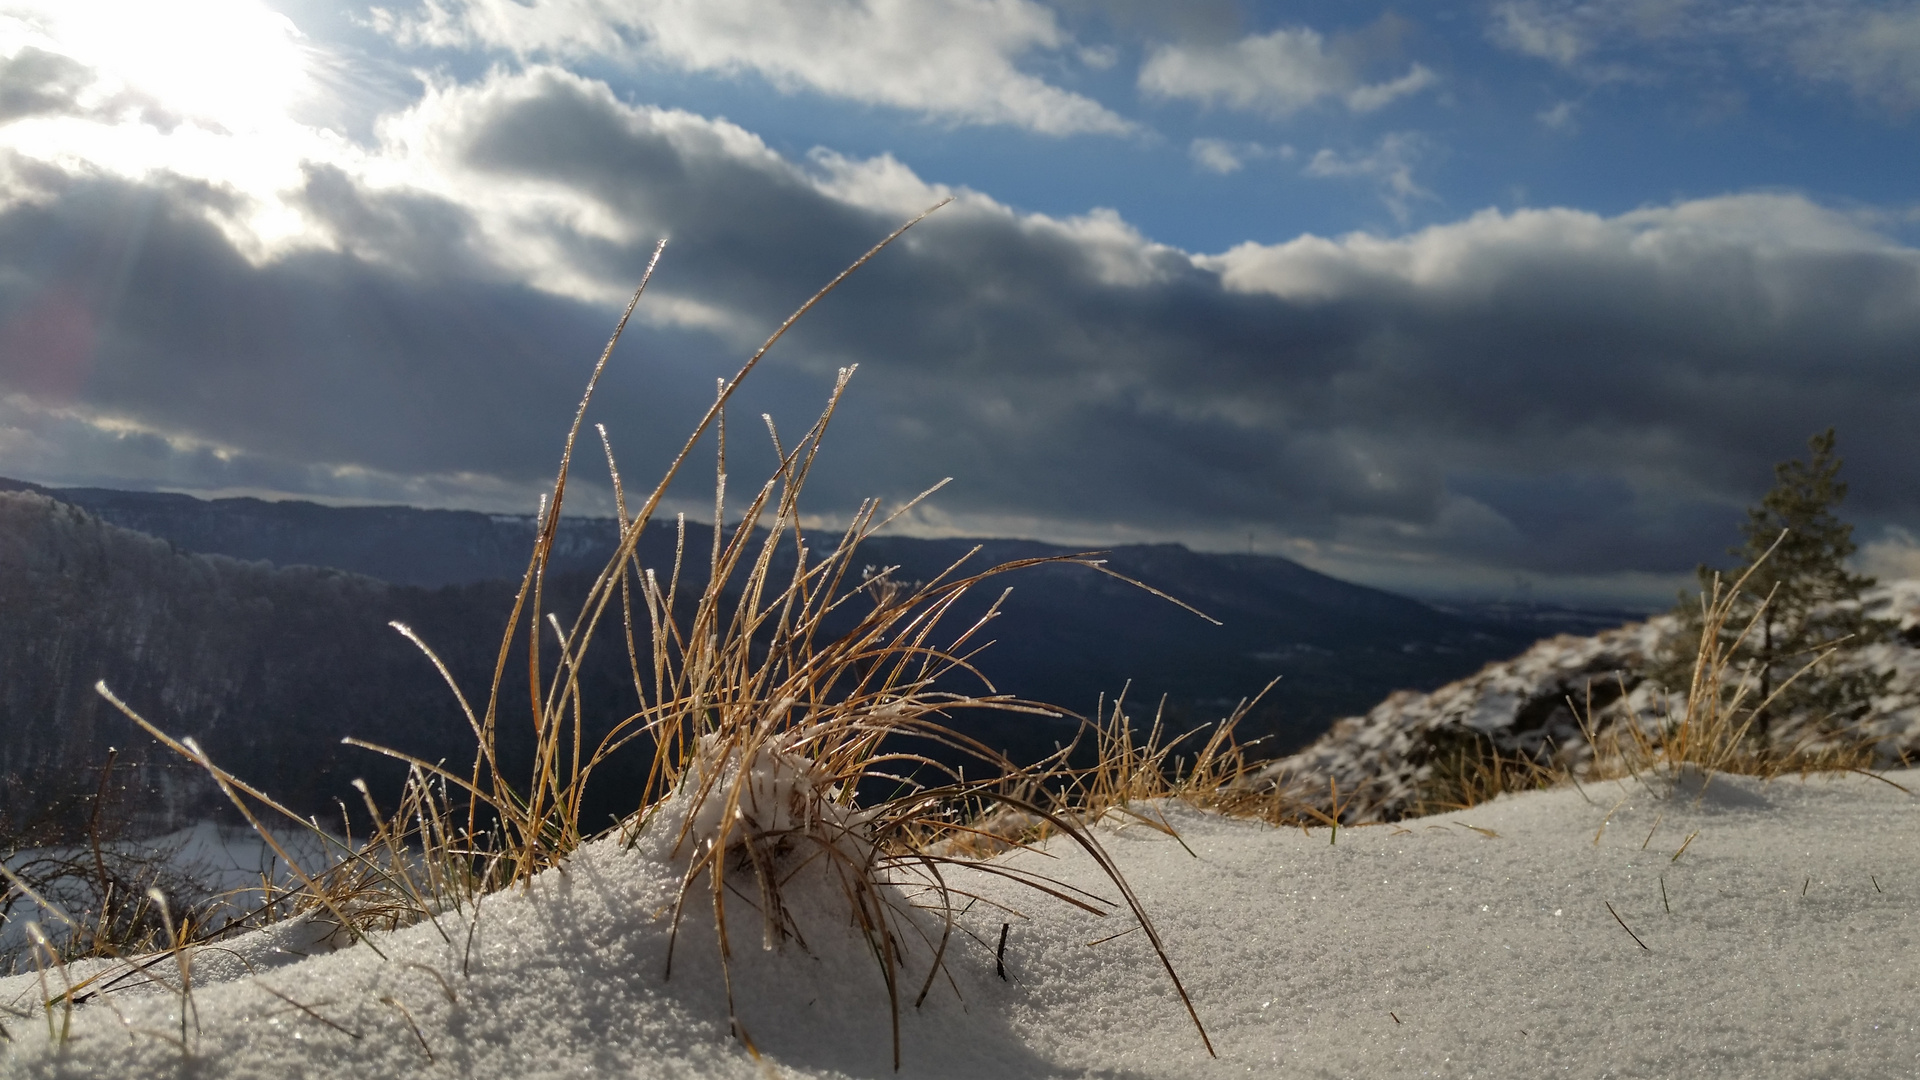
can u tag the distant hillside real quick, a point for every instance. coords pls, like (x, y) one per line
(1069, 634)
(398, 544)
(267, 667)
(270, 664)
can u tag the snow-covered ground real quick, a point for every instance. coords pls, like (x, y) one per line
(1784, 941)
(1622, 928)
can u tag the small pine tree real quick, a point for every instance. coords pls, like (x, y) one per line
(1797, 550)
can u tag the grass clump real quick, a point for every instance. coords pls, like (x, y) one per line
(1207, 768)
(1721, 725)
(1467, 767)
(776, 693)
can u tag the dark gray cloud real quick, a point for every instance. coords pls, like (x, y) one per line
(129, 304)
(34, 82)
(1547, 392)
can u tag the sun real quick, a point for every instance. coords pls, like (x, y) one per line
(231, 65)
(203, 90)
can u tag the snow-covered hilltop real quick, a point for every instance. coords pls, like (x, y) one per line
(1533, 707)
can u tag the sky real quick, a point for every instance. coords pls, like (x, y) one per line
(1511, 299)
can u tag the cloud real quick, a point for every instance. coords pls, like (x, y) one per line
(1216, 155)
(1372, 96)
(1875, 53)
(1696, 341)
(1546, 390)
(1531, 30)
(1190, 19)
(195, 93)
(955, 60)
(1223, 156)
(1277, 73)
(1871, 49)
(233, 64)
(1560, 116)
(1389, 165)
(36, 82)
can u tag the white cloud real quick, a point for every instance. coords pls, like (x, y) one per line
(1216, 155)
(1559, 116)
(880, 183)
(1744, 235)
(1389, 165)
(1224, 156)
(1277, 74)
(1871, 48)
(1528, 29)
(533, 226)
(1876, 54)
(1373, 96)
(1099, 57)
(955, 60)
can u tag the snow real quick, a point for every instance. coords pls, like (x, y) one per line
(1477, 943)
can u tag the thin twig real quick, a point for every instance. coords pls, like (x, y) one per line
(1624, 926)
(309, 1010)
(411, 1026)
(1684, 846)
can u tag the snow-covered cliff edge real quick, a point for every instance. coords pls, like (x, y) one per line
(1534, 705)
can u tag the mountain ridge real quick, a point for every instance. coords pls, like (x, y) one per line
(291, 656)
(432, 547)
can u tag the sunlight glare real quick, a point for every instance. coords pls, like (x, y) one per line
(236, 65)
